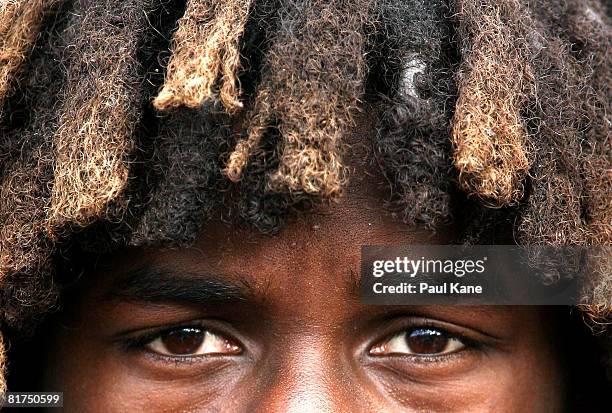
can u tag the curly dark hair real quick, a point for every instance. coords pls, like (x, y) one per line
(130, 123)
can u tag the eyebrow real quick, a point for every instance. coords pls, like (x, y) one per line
(156, 285)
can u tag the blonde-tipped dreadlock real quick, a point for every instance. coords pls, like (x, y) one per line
(309, 97)
(570, 199)
(205, 48)
(99, 110)
(26, 164)
(589, 26)
(496, 81)
(20, 22)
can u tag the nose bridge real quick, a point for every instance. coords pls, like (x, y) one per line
(313, 378)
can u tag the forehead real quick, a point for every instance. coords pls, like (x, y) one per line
(315, 254)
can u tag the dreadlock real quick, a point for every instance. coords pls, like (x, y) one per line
(187, 166)
(496, 81)
(20, 22)
(416, 90)
(100, 106)
(27, 171)
(309, 98)
(239, 109)
(206, 48)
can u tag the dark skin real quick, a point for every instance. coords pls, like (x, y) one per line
(245, 322)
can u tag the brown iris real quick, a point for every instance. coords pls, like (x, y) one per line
(427, 341)
(183, 341)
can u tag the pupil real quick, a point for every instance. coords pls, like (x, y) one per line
(426, 341)
(183, 341)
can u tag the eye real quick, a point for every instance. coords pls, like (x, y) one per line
(191, 342)
(423, 341)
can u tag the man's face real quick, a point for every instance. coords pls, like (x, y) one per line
(244, 322)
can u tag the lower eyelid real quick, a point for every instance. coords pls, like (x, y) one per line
(417, 366)
(153, 358)
(174, 360)
(429, 358)
(168, 368)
